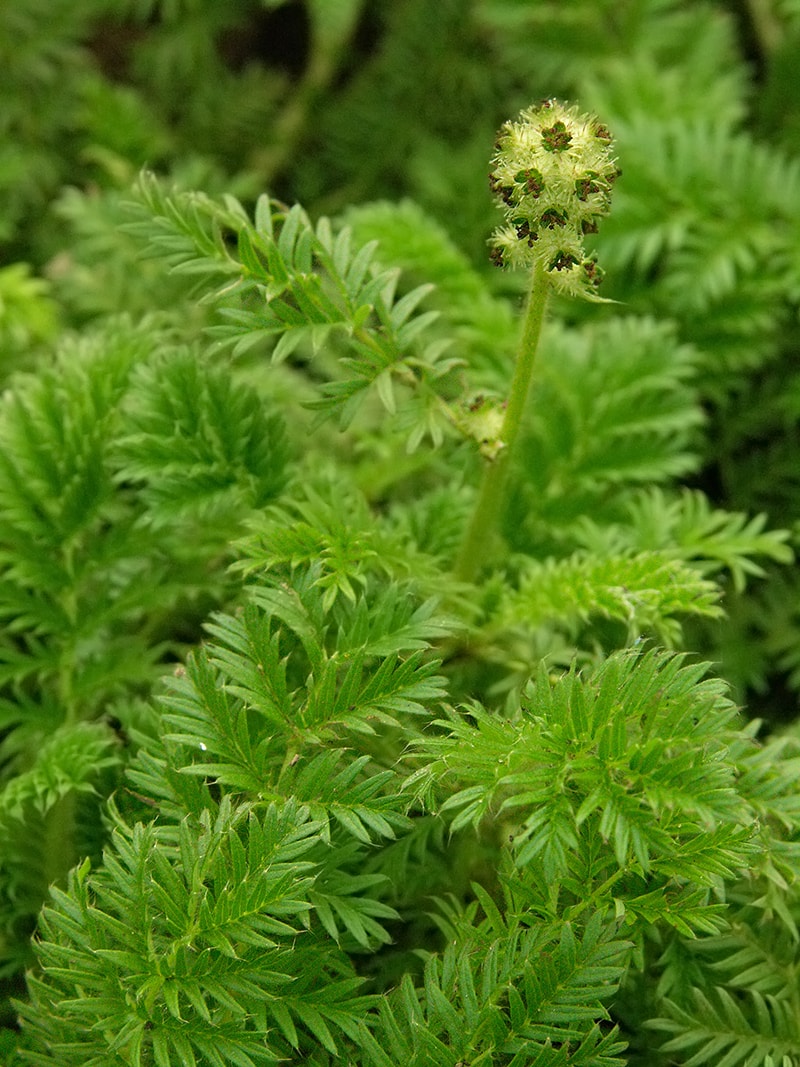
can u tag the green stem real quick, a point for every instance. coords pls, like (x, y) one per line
(597, 895)
(59, 852)
(66, 659)
(293, 119)
(481, 530)
(766, 25)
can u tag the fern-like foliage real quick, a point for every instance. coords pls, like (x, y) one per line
(646, 591)
(40, 47)
(568, 47)
(688, 527)
(710, 259)
(368, 120)
(199, 443)
(330, 526)
(760, 1029)
(102, 272)
(49, 822)
(253, 711)
(108, 458)
(520, 996)
(412, 239)
(242, 718)
(336, 536)
(633, 755)
(247, 904)
(273, 788)
(28, 315)
(377, 815)
(226, 971)
(306, 283)
(616, 408)
(78, 562)
(70, 758)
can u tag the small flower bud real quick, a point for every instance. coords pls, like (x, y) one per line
(552, 170)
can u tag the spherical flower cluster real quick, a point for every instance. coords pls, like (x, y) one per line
(552, 171)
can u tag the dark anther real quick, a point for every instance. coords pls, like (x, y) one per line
(556, 138)
(563, 261)
(532, 179)
(553, 218)
(593, 273)
(584, 187)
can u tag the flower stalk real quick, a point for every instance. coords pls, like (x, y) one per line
(482, 526)
(552, 173)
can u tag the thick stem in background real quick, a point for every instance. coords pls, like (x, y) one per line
(60, 852)
(483, 524)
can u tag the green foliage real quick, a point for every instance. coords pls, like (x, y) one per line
(645, 591)
(223, 903)
(95, 593)
(307, 287)
(721, 1025)
(27, 314)
(276, 786)
(617, 406)
(511, 996)
(632, 756)
(198, 444)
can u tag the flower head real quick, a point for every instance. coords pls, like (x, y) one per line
(552, 171)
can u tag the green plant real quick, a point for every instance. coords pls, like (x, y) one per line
(437, 786)
(348, 712)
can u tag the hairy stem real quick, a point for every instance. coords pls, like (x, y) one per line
(482, 527)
